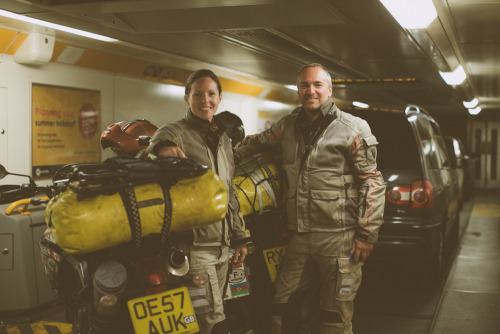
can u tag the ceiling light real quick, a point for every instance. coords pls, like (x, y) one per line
(471, 104)
(291, 87)
(454, 78)
(56, 26)
(475, 111)
(360, 104)
(272, 105)
(411, 14)
(171, 90)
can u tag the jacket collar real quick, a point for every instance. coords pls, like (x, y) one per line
(328, 108)
(202, 125)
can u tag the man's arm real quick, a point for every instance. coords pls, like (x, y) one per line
(266, 141)
(371, 193)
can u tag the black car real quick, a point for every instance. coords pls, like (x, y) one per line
(422, 204)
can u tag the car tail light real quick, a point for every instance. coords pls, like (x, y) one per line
(422, 194)
(399, 195)
(419, 195)
(155, 273)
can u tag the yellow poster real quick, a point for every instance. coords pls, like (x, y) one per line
(65, 127)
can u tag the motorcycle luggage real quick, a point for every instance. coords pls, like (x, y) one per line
(259, 186)
(128, 212)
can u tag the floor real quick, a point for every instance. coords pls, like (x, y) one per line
(470, 301)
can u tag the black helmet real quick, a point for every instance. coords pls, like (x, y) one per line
(232, 125)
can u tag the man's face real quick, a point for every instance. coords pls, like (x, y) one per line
(314, 90)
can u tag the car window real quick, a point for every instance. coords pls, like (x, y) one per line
(428, 144)
(441, 149)
(451, 151)
(397, 148)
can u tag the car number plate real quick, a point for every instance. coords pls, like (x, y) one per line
(166, 312)
(273, 258)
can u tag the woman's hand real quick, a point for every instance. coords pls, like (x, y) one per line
(240, 253)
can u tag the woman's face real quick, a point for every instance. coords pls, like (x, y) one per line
(204, 98)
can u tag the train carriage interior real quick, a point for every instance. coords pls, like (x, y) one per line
(131, 58)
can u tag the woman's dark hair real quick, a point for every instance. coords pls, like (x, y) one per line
(203, 73)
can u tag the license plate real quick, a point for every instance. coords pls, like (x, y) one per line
(273, 258)
(166, 312)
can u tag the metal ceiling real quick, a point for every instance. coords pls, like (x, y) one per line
(360, 43)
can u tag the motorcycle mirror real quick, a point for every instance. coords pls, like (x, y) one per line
(4, 173)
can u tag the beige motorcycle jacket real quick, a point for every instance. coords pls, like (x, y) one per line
(332, 180)
(192, 135)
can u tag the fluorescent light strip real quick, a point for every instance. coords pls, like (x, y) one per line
(471, 104)
(360, 104)
(454, 78)
(412, 14)
(56, 26)
(291, 87)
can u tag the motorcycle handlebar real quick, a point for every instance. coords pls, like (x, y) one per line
(9, 194)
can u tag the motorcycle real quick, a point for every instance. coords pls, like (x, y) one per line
(127, 286)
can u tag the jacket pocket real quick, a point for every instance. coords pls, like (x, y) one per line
(348, 279)
(325, 208)
(201, 295)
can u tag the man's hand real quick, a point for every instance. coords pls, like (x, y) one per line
(171, 151)
(244, 141)
(360, 250)
(240, 253)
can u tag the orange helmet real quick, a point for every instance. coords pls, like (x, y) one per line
(128, 137)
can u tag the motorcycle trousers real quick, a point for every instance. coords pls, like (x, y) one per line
(316, 285)
(210, 263)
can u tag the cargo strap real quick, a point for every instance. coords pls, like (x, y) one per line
(134, 219)
(268, 184)
(167, 217)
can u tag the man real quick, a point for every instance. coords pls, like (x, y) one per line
(335, 203)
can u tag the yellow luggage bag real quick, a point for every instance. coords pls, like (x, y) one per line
(259, 184)
(82, 225)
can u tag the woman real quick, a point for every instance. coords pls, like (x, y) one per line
(197, 136)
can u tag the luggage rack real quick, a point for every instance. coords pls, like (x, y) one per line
(115, 174)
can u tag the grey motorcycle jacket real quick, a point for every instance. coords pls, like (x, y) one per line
(332, 180)
(194, 137)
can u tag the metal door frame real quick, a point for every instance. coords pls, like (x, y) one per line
(486, 147)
